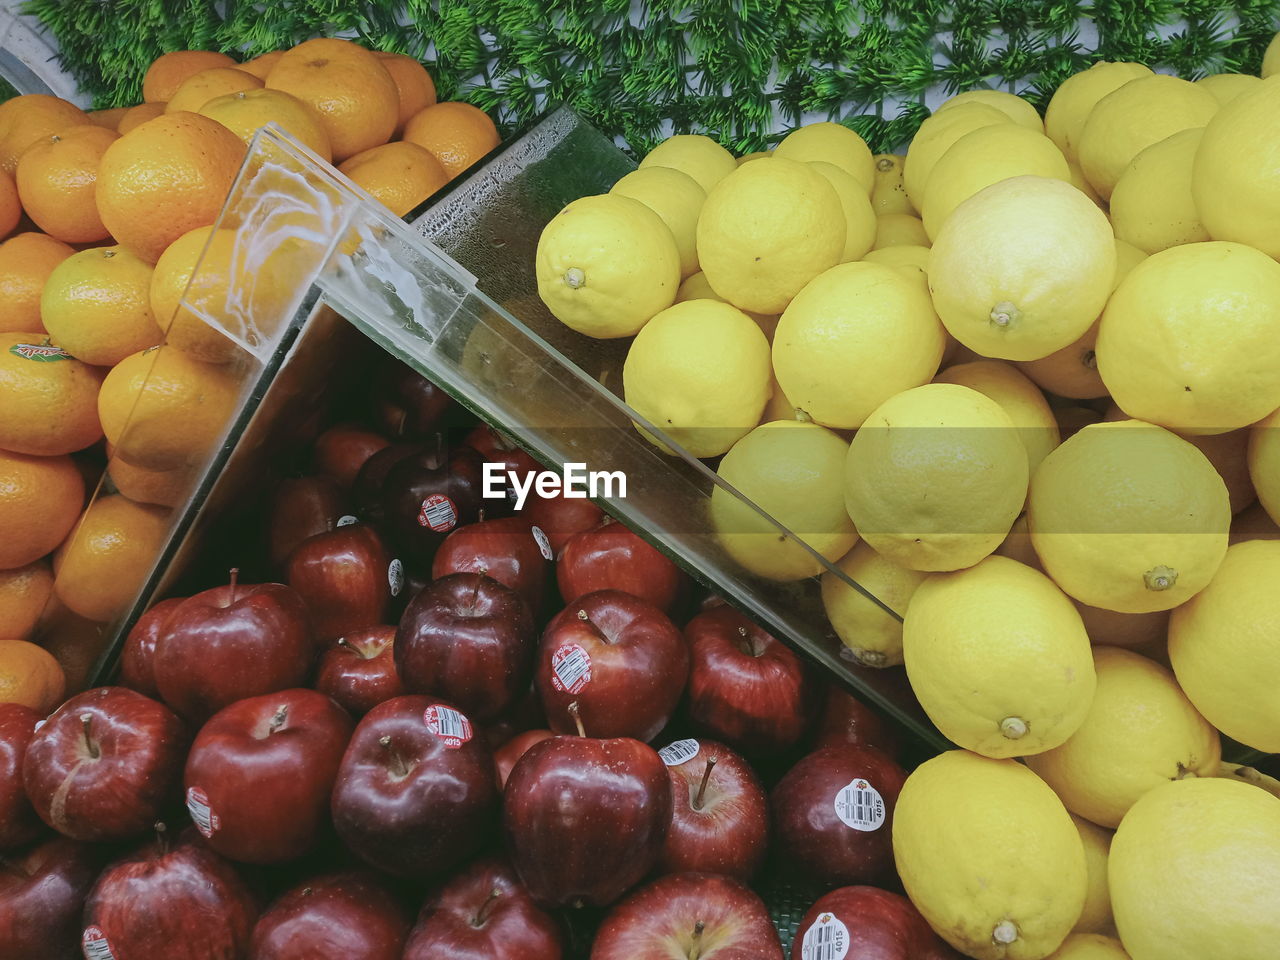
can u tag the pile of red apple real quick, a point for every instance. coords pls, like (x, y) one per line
(284, 772)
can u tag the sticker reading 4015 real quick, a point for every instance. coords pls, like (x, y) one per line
(439, 513)
(826, 939)
(206, 821)
(39, 352)
(859, 805)
(570, 669)
(96, 945)
(452, 727)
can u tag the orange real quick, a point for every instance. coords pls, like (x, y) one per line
(26, 260)
(457, 133)
(26, 119)
(97, 305)
(169, 70)
(260, 66)
(356, 98)
(246, 112)
(104, 563)
(23, 593)
(30, 675)
(166, 177)
(163, 488)
(48, 398)
(199, 88)
(417, 89)
(163, 409)
(40, 499)
(57, 177)
(10, 205)
(398, 175)
(137, 116)
(109, 118)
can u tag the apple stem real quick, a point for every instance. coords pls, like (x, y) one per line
(576, 712)
(231, 596)
(696, 950)
(486, 908)
(398, 766)
(702, 787)
(162, 836)
(746, 644)
(279, 719)
(86, 723)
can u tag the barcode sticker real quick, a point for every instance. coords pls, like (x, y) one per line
(347, 521)
(570, 669)
(682, 751)
(206, 821)
(826, 939)
(439, 513)
(96, 945)
(544, 543)
(449, 725)
(395, 577)
(859, 805)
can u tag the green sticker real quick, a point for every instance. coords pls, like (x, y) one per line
(39, 352)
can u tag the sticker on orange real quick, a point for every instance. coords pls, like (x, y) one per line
(39, 352)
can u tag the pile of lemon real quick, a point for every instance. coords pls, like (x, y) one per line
(1022, 384)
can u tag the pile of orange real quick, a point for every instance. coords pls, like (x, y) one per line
(103, 216)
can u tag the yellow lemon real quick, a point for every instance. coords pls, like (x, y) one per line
(1222, 646)
(910, 260)
(935, 137)
(832, 143)
(793, 471)
(859, 218)
(1141, 731)
(1271, 58)
(677, 199)
(1014, 107)
(1229, 454)
(1191, 339)
(1078, 181)
(1129, 517)
(779, 407)
(606, 264)
(1151, 206)
(1264, 463)
(1195, 873)
(696, 287)
(698, 156)
(872, 635)
(1225, 87)
(1075, 98)
(1090, 946)
(852, 338)
(1018, 397)
(935, 477)
(1017, 544)
(747, 158)
(989, 856)
(899, 230)
(699, 371)
(1023, 268)
(888, 195)
(1096, 915)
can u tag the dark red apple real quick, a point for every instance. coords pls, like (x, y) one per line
(586, 819)
(746, 687)
(845, 719)
(560, 517)
(260, 771)
(507, 455)
(359, 670)
(866, 923)
(230, 643)
(505, 757)
(833, 815)
(405, 403)
(611, 557)
(137, 668)
(42, 893)
(504, 549)
(619, 658)
(339, 916)
(179, 902)
(469, 639)
(366, 489)
(301, 508)
(699, 916)
(416, 792)
(427, 495)
(720, 815)
(19, 824)
(343, 449)
(346, 578)
(484, 913)
(105, 764)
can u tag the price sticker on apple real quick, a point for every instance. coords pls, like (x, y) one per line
(860, 806)
(452, 727)
(544, 543)
(395, 577)
(438, 513)
(202, 815)
(826, 939)
(347, 521)
(682, 751)
(570, 669)
(96, 945)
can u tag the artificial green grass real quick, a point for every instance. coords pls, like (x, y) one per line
(741, 70)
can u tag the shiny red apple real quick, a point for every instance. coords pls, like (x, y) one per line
(845, 719)
(866, 923)
(137, 667)
(505, 757)
(19, 824)
(359, 670)
(504, 549)
(428, 495)
(508, 456)
(405, 403)
(560, 517)
(301, 508)
(42, 892)
(366, 489)
(343, 916)
(343, 449)
(346, 578)
(611, 557)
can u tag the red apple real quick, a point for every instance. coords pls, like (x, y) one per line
(260, 771)
(586, 819)
(342, 450)
(343, 916)
(619, 658)
(169, 903)
(846, 719)
(416, 792)
(611, 557)
(689, 915)
(427, 495)
(42, 895)
(407, 404)
(866, 923)
(560, 517)
(505, 757)
(504, 549)
(137, 668)
(833, 815)
(359, 670)
(346, 578)
(366, 489)
(506, 454)
(230, 643)
(301, 508)
(745, 686)
(720, 815)
(469, 639)
(483, 914)
(105, 764)
(19, 824)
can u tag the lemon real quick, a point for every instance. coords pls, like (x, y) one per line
(1023, 268)
(1140, 732)
(1271, 58)
(1225, 87)
(935, 477)
(748, 157)
(1151, 206)
(1134, 630)
(698, 156)
(1229, 454)
(989, 856)
(909, 260)
(677, 199)
(1017, 544)
(1195, 873)
(1014, 107)
(1018, 397)
(1128, 517)
(605, 265)
(1090, 946)
(859, 218)
(696, 287)
(766, 230)
(899, 230)
(779, 407)
(870, 633)
(1133, 117)
(1191, 338)
(1264, 463)
(1096, 915)
(1235, 180)
(998, 657)
(1077, 180)
(852, 338)
(1222, 644)
(1075, 98)
(699, 371)
(793, 471)
(935, 137)
(833, 143)
(888, 195)
(1236, 772)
